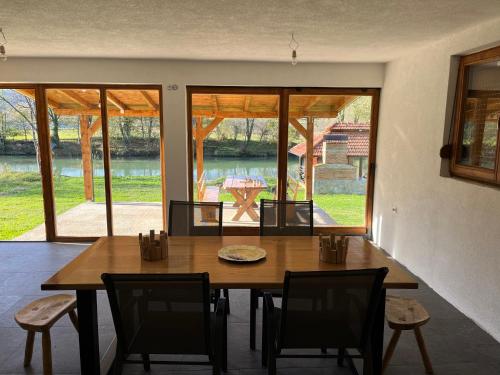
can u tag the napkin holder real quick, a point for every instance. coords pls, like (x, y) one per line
(333, 249)
(153, 247)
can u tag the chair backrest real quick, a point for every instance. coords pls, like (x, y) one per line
(195, 218)
(286, 218)
(330, 309)
(160, 313)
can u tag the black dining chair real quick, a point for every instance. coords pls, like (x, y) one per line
(166, 314)
(325, 309)
(279, 218)
(197, 219)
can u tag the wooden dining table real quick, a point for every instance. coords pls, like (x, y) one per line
(245, 189)
(121, 254)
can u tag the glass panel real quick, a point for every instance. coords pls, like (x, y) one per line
(134, 140)
(21, 200)
(481, 116)
(77, 161)
(329, 135)
(235, 147)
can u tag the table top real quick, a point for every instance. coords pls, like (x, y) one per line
(121, 254)
(244, 182)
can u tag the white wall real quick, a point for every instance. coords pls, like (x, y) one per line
(447, 231)
(185, 73)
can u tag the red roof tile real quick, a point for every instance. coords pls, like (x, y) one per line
(358, 143)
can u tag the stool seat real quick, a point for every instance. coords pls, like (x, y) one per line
(40, 316)
(42, 313)
(405, 313)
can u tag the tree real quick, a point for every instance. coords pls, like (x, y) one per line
(54, 138)
(25, 109)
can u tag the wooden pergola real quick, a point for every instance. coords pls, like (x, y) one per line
(217, 107)
(86, 104)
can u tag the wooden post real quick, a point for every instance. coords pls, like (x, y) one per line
(199, 147)
(86, 157)
(309, 157)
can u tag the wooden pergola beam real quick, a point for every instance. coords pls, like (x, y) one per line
(111, 112)
(86, 157)
(298, 126)
(215, 104)
(77, 98)
(95, 126)
(116, 102)
(199, 147)
(246, 106)
(312, 103)
(152, 104)
(31, 94)
(262, 114)
(207, 129)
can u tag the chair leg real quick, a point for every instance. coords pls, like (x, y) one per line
(226, 294)
(146, 362)
(28, 351)
(341, 356)
(74, 318)
(423, 351)
(47, 353)
(390, 348)
(253, 317)
(271, 362)
(265, 338)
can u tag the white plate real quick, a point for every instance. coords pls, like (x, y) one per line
(242, 253)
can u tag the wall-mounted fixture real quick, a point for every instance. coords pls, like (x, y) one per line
(3, 42)
(294, 46)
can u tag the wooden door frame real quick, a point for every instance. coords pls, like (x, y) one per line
(46, 162)
(284, 93)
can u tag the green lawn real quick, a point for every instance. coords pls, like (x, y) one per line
(21, 204)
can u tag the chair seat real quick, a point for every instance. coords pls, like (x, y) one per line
(42, 313)
(405, 313)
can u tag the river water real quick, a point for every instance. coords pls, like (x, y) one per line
(214, 168)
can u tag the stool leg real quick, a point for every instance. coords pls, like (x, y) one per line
(28, 352)
(74, 318)
(390, 348)
(423, 351)
(47, 353)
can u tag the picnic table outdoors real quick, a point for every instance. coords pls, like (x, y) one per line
(245, 190)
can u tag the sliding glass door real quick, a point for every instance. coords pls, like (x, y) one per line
(319, 147)
(21, 198)
(106, 173)
(135, 149)
(235, 151)
(327, 153)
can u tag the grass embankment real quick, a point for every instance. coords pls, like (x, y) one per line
(21, 202)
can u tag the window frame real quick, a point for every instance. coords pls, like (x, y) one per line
(284, 94)
(475, 173)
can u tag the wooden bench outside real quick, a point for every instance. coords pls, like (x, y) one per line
(40, 316)
(292, 188)
(207, 194)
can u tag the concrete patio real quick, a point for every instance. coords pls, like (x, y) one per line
(89, 219)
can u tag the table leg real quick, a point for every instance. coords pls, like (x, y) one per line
(86, 303)
(378, 336)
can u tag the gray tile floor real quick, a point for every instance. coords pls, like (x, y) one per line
(456, 345)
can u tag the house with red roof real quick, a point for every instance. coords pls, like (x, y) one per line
(350, 139)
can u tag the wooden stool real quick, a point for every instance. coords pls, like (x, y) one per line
(404, 314)
(40, 316)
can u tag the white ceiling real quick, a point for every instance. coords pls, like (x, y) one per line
(327, 30)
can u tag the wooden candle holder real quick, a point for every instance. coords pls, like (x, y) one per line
(332, 249)
(153, 247)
